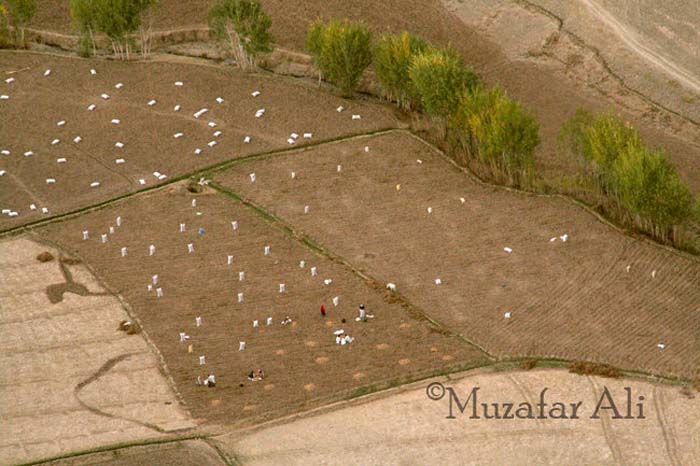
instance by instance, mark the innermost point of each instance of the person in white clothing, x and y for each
(363, 314)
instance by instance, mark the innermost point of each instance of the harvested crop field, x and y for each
(237, 221)
(303, 365)
(573, 299)
(43, 166)
(69, 380)
(563, 57)
(407, 428)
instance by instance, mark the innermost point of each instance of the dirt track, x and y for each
(629, 37)
(187, 453)
(573, 299)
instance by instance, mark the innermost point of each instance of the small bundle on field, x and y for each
(194, 187)
(593, 368)
(687, 392)
(45, 257)
(70, 260)
(129, 327)
(528, 364)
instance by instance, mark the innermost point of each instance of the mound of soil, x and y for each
(129, 327)
(45, 257)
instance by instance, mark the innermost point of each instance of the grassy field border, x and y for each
(118, 446)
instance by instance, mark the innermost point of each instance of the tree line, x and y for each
(483, 128)
(637, 183)
(119, 20)
(241, 25)
(495, 136)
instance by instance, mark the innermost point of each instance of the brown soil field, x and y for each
(553, 78)
(37, 103)
(69, 380)
(573, 299)
(303, 364)
(289, 20)
(407, 428)
(55, 15)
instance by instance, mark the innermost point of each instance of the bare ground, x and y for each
(68, 379)
(303, 364)
(573, 299)
(38, 103)
(407, 428)
(559, 56)
(565, 57)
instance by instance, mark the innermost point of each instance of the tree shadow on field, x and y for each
(56, 291)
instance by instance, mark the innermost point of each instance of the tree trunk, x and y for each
(237, 49)
(92, 39)
(146, 40)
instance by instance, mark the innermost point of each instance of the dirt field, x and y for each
(565, 44)
(303, 364)
(68, 379)
(651, 44)
(55, 15)
(38, 103)
(572, 299)
(581, 61)
(410, 429)
(517, 275)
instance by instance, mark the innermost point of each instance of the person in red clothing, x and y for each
(323, 310)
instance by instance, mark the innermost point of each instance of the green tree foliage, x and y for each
(84, 13)
(19, 13)
(572, 140)
(641, 182)
(5, 40)
(117, 19)
(244, 26)
(392, 59)
(599, 140)
(497, 132)
(650, 189)
(440, 78)
(341, 52)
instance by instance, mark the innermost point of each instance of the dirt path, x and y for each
(632, 41)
